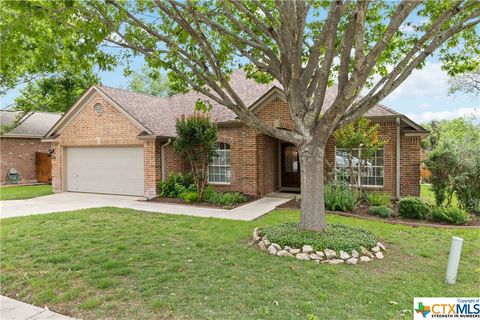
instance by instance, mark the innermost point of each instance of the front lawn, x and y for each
(110, 263)
(24, 192)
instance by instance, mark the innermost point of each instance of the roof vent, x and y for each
(98, 108)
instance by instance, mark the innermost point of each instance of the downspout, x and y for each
(397, 171)
(163, 157)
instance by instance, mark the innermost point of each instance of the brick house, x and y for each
(21, 147)
(120, 142)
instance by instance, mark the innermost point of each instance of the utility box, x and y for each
(13, 176)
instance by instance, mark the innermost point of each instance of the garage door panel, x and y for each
(112, 170)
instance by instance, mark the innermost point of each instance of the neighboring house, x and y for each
(21, 147)
(120, 142)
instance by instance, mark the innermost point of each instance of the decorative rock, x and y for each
(355, 253)
(351, 261)
(334, 261)
(256, 237)
(266, 242)
(307, 249)
(284, 253)
(365, 259)
(379, 255)
(381, 246)
(330, 253)
(365, 252)
(287, 248)
(315, 256)
(344, 255)
(302, 256)
(375, 249)
(294, 251)
(272, 250)
(320, 254)
(277, 246)
(261, 244)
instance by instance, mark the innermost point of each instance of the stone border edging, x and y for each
(326, 256)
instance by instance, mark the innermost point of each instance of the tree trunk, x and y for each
(312, 187)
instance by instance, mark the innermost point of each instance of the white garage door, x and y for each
(113, 170)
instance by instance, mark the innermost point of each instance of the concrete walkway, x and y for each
(68, 201)
(11, 309)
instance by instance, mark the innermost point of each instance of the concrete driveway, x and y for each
(68, 201)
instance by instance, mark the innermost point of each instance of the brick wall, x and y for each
(110, 128)
(19, 153)
(410, 166)
(254, 157)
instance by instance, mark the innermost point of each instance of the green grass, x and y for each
(427, 195)
(24, 192)
(110, 263)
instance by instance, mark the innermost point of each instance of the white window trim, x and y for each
(368, 186)
(219, 183)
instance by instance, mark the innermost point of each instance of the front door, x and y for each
(290, 166)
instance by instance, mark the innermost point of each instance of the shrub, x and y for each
(450, 215)
(340, 197)
(227, 199)
(190, 196)
(335, 236)
(175, 185)
(413, 207)
(378, 199)
(208, 193)
(382, 211)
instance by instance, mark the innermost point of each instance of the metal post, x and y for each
(454, 260)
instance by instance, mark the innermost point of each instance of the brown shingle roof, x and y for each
(159, 114)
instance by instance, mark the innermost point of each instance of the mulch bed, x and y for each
(200, 203)
(362, 212)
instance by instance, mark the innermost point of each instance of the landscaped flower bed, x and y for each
(181, 189)
(374, 205)
(336, 244)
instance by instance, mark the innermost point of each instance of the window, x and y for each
(365, 172)
(219, 168)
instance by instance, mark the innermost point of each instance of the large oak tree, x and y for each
(305, 45)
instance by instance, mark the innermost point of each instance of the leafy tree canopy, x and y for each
(56, 93)
(150, 82)
(454, 130)
(468, 83)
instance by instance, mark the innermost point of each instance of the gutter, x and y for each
(163, 157)
(397, 162)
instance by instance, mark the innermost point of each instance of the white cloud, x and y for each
(444, 115)
(431, 81)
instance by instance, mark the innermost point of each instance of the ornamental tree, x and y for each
(305, 45)
(197, 142)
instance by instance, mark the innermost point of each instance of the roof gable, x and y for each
(81, 103)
